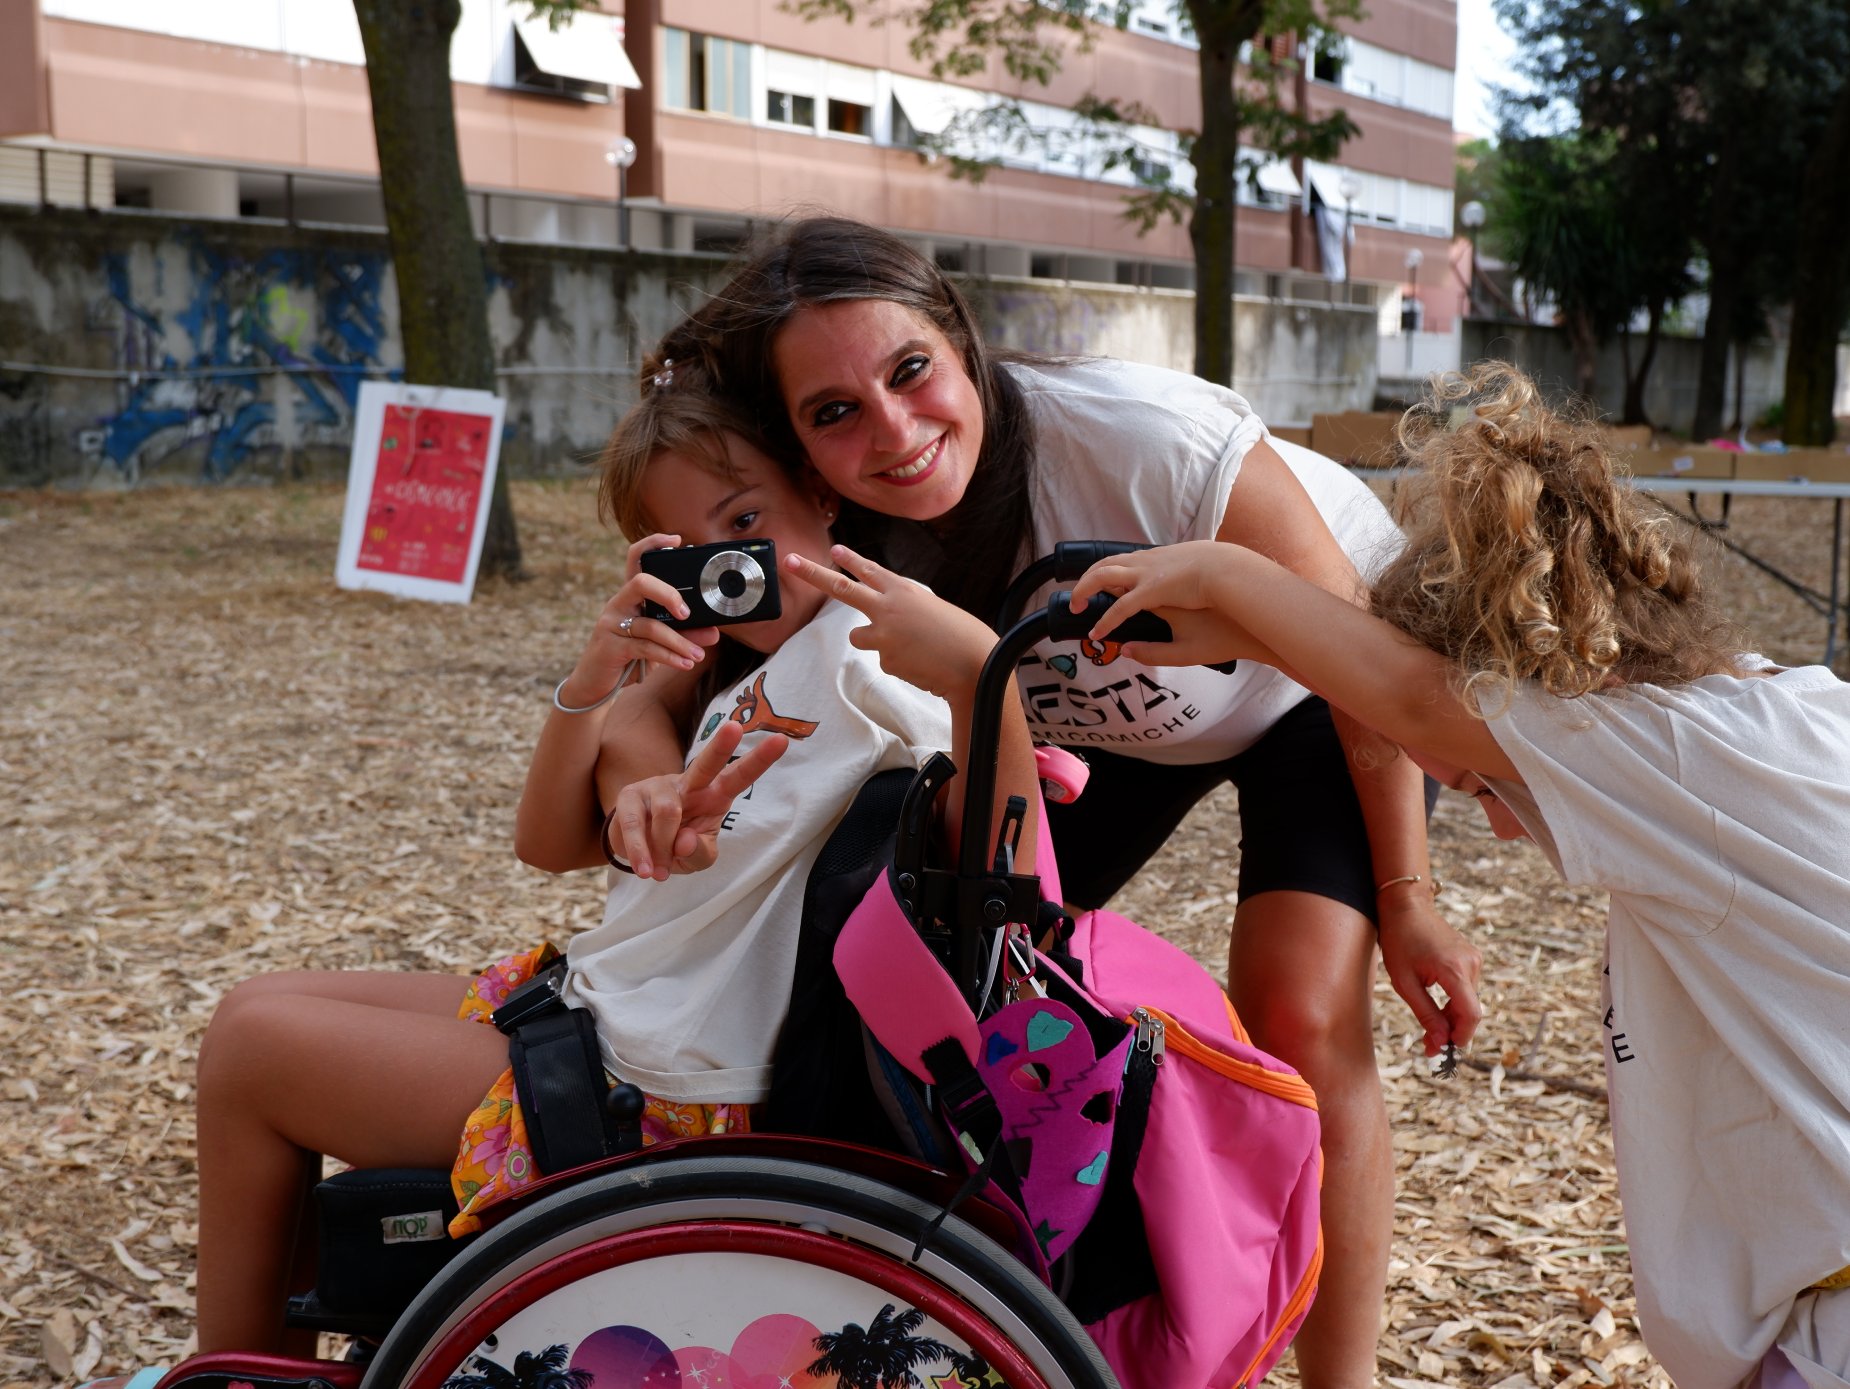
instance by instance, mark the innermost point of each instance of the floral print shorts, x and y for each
(494, 1160)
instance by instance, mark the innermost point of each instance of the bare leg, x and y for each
(1300, 969)
(373, 1069)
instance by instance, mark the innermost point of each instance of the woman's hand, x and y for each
(670, 824)
(919, 637)
(1419, 950)
(612, 645)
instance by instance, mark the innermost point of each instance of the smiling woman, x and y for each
(957, 464)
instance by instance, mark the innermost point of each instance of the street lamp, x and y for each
(1472, 215)
(620, 154)
(1410, 316)
(1350, 187)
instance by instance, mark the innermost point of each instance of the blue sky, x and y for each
(1484, 53)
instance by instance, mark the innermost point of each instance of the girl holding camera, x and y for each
(687, 976)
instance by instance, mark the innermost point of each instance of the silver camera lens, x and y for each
(731, 583)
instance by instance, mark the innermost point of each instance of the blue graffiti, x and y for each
(313, 315)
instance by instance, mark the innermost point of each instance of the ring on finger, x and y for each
(625, 625)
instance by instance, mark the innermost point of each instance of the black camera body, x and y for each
(731, 581)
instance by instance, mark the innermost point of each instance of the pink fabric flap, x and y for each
(895, 981)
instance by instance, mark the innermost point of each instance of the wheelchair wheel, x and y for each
(739, 1272)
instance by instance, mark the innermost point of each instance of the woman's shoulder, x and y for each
(1081, 384)
(1104, 410)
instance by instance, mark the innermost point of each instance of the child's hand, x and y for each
(920, 637)
(1176, 583)
(613, 645)
(1170, 576)
(670, 824)
(1418, 950)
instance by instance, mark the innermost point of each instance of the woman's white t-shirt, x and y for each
(690, 979)
(1717, 814)
(1139, 453)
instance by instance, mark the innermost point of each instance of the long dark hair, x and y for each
(967, 555)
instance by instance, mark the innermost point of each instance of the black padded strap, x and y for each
(559, 1077)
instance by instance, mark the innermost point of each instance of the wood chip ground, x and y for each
(216, 763)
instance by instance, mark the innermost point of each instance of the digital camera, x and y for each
(732, 581)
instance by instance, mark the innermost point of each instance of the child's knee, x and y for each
(235, 1023)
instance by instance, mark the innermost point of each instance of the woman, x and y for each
(955, 465)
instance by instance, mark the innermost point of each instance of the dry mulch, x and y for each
(219, 764)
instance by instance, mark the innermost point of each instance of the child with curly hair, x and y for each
(1545, 644)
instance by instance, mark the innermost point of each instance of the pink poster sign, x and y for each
(427, 487)
(418, 490)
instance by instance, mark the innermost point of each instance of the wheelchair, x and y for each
(823, 1255)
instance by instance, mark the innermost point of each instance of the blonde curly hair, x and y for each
(1527, 560)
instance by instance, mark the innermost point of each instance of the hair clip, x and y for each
(664, 378)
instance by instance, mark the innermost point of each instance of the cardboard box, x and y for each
(1627, 436)
(1682, 460)
(1813, 465)
(1291, 433)
(1360, 439)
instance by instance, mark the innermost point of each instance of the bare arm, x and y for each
(938, 647)
(583, 761)
(1224, 601)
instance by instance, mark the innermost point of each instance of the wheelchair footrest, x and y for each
(383, 1235)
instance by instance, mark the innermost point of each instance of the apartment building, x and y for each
(737, 111)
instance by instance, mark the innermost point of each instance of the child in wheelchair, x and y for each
(688, 974)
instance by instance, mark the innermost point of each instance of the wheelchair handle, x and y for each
(1070, 559)
(1063, 624)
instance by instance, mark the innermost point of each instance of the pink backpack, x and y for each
(1167, 1168)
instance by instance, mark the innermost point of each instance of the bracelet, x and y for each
(629, 674)
(1437, 886)
(603, 842)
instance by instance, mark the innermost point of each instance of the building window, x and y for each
(851, 118)
(707, 74)
(1149, 171)
(1327, 64)
(787, 108)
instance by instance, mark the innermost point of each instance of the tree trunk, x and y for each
(1821, 284)
(1211, 224)
(1725, 266)
(1634, 411)
(1585, 342)
(442, 287)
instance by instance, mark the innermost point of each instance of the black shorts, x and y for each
(1301, 827)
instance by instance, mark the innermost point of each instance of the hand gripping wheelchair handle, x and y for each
(1070, 559)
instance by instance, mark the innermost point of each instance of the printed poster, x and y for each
(418, 489)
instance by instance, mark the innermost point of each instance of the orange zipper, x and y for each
(1286, 1086)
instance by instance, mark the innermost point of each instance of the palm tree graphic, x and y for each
(883, 1356)
(547, 1370)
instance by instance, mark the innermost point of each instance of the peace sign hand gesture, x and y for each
(670, 824)
(918, 636)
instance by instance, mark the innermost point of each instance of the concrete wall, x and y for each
(146, 348)
(1670, 391)
(1291, 360)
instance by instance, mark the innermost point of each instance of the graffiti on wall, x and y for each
(236, 355)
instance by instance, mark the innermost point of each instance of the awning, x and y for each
(585, 48)
(1276, 177)
(1327, 183)
(924, 105)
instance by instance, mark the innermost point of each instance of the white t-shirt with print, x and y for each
(1140, 453)
(690, 979)
(1717, 814)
